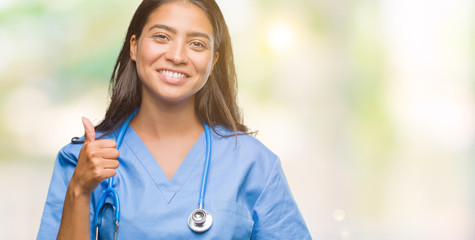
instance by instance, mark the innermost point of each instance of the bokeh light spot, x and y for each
(339, 215)
(280, 36)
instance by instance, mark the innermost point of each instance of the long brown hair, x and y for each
(215, 103)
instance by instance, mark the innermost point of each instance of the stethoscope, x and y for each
(198, 221)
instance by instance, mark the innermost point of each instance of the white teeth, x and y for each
(172, 74)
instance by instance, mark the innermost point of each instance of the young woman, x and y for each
(173, 178)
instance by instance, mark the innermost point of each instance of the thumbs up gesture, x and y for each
(97, 161)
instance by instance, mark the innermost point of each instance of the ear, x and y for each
(215, 60)
(133, 47)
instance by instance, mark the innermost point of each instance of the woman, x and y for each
(174, 77)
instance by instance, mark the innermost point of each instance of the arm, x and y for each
(96, 162)
(75, 218)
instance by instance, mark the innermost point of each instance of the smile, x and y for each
(172, 74)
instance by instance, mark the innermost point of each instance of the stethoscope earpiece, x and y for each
(200, 220)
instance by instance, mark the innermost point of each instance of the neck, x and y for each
(161, 120)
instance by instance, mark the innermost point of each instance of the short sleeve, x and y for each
(63, 170)
(275, 214)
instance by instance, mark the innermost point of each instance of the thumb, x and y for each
(89, 132)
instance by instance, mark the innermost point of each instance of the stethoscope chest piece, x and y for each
(200, 220)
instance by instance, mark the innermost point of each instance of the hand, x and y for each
(97, 161)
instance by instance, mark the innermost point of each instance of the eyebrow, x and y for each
(170, 29)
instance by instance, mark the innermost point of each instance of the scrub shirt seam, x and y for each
(267, 181)
(145, 168)
(284, 197)
(62, 156)
(192, 170)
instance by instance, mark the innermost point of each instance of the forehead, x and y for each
(181, 16)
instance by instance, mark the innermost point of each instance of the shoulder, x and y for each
(244, 150)
(70, 151)
(241, 141)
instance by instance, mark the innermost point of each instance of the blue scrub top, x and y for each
(246, 193)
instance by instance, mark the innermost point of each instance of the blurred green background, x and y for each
(368, 103)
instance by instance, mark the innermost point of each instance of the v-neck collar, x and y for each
(168, 188)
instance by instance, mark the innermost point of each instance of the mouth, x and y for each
(172, 74)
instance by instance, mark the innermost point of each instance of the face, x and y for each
(174, 55)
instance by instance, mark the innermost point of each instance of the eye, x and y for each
(160, 36)
(198, 45)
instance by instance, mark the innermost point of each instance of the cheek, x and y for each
(149, 52)
(203, 64)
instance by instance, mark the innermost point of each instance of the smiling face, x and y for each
(174, 55)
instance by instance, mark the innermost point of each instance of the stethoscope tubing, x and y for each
(120, 137)
(110, 191)
(206, 167)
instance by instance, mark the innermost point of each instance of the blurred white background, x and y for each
(368, 103)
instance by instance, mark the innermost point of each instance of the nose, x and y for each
(176, 53)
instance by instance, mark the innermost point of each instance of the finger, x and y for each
(105, 143)
(109, 172)
(110, 164)
(107, 153)
(89, 132)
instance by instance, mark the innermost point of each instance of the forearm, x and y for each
(75, 220)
